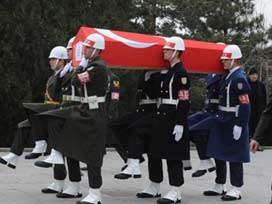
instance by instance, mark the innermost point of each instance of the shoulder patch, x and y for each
(240, 86)
(116, 83)
(184, 80)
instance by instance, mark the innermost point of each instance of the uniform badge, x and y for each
(183, 80)
(116, 84)
(115, 96)
(240, 86)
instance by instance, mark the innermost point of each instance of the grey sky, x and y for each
(265, 7)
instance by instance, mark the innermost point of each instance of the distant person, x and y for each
(257, 99)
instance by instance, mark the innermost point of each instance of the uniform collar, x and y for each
(232, 71)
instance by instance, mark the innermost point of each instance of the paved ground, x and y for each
(22, 186)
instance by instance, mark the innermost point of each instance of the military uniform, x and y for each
(199, 136)
(211, 107)
(125, 128)
(83, 125)
(34, 128)
(234, 109)
(173, 110)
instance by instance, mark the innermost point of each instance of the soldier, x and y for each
(34, 125)
(170, 139)
(133, 128)
(40, 138)
(229, 134)
(79, 131)
(200, 137)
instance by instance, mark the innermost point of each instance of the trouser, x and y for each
(59, 172)
(136, 146)
(94, 173)
(175, 171)
(236, 173)
(200, 139)
(39, 129)
(21, 139)
(54, 128)
(139, 137)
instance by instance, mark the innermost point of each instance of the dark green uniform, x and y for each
(83, 134)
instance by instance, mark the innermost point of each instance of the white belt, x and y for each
(83, 99)
(169, 101)
(89, 99)
(230, 109)
(212, 100)
(147, 101)
(71, 98)
(92, 101)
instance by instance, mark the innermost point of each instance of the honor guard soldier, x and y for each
(200, 137)
(170, 138)
(79, 131)
(229, 134)
(133, 129)
(34, 126)
(57, 186)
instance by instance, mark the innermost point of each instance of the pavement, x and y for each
(23, 185)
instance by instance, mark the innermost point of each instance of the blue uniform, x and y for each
(234, 109)
(211, 102)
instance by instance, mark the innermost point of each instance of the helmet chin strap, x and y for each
(173, 55)
(93, 53)
(231, 64)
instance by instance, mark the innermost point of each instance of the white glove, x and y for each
(83, 62)
(237, 131)
(68, 67)
(178, 132)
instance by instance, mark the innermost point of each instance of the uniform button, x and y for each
(164, 113)
(161, 91)
(142, 110)
(158, 113)
(137, 110)
(217, 115)
(62, 89)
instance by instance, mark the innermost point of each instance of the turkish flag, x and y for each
(140, 51)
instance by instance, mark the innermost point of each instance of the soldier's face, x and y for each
(56, 64)
(53, 62)
(88, 52)
(167, 54)
(227, 64)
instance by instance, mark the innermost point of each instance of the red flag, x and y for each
(140, 51)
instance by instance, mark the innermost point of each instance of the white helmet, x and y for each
(96, 41)
(174, 43)
(58, 52)
(231, 52)
(70, 43)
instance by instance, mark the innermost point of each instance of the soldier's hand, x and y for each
(237, 131)
(178, 132)
(84, 62)
(254, 146)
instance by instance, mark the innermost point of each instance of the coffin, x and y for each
(140, 51)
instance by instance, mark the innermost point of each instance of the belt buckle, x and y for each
(81, 99)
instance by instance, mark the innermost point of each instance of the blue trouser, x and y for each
(236, 173)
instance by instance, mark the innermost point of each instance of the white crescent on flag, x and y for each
(130, 43)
